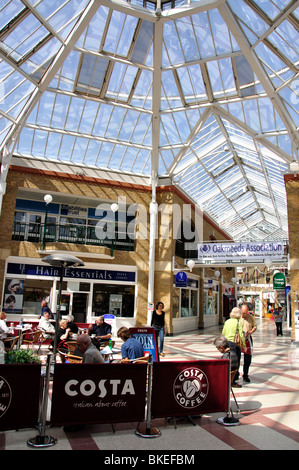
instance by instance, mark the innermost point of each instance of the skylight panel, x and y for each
(245, 76)
(121, 81)
(221, 34)
(203, 34)
(221, 77)
(286, 39)
(192, 83)
(187, 39)
(248, 16)
(73, 114)
(58, 14)
(120, 33)
(45, 109)
(143, 42)
(92, 73)
(251, 112)
(140, 127)
(268, 7)
(172, 45)
(79, 150)
(92, 37)
(142, 93)
(61, 112)
(88, 117)
(170, 90)
(24, 37)
(271, 60)
(39, 143)
(53, 146)
(9, 10)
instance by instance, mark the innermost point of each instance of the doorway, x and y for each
(79, 306)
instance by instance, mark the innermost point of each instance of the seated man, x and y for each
(222, 345)
(101, 329)
(46, 326)
(131, 348)
(90, 353)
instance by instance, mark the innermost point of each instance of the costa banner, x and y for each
(98, 393)
(189, 388)
(19, 395)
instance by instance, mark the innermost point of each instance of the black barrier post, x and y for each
(41, 440)
(229, 420)
(147, 430)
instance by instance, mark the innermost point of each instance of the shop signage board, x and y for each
(181, 279)
(240, 251)
(279, 281)
(147, 338)
(98, 393)
(189, 387)
(71, 273)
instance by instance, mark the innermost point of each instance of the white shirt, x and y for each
(3, 329)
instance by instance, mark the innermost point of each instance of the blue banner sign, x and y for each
(147, 338)
(181, 279)
(71, 273)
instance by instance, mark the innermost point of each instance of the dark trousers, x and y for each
(247, 360)
(279, 327)
(237, 350)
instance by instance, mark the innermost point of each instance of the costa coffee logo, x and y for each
(5, 396)
(191, 387)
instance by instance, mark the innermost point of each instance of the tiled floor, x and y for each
(269, 406)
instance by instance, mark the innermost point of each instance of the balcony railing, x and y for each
(67, 233)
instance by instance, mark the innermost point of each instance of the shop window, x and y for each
(116, 300)
(24, 296)
(185, 303)
(211, 301)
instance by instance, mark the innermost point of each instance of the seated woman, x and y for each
(5, 330)
(62, 335)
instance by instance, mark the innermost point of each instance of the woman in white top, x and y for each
(3, 327)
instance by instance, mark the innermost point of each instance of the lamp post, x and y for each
(48, 199)
(114, 208)
(63, 261)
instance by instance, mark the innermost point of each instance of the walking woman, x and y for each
(230, 329)
(158, 323)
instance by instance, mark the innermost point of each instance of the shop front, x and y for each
(87, 292)
(185, 304)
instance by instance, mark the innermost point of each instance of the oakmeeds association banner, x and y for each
(242, 250)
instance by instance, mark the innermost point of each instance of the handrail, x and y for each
(70, 233)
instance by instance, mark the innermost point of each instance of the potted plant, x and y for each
(22, 356)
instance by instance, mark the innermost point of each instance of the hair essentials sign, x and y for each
(242, 250)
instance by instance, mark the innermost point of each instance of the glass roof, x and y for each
(204, 93)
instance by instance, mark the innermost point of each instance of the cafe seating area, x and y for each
(267, 407)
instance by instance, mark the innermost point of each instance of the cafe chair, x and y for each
(71, 346)
(62, 356)
(36, 339)
(232, 376)
(66, 357)
(11, 342)
(73, 359)
(141, 360)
